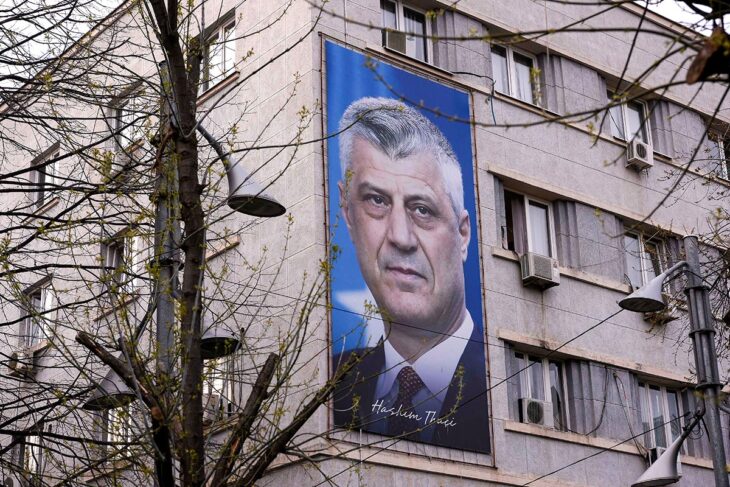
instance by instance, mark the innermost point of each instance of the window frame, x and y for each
(118, 428)
(623, 107)
(526, 200)
(646, 414)
(723, 161)
(33, 461)
(524, 361)
(128, 120)
(400, 8)
(207, 81)
(217, 381)
(125, 246)
(512, 76)
(43, 177)
(642, 241)
(34, 328)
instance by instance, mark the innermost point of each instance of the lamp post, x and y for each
(649, 298)
(244, 197)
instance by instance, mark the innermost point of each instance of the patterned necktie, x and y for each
(408, 385)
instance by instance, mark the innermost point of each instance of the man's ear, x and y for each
(464, 234)
(343, 203)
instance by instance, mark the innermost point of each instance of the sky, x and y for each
(679, 12)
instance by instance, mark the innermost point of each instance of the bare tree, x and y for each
(115, 145)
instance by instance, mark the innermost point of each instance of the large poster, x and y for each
(406, 280)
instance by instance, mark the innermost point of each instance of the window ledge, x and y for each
(534, 107)
(38, 347)
(218, 87)
(595, 442)
(222, 247)
(42, 209)
(568, 272)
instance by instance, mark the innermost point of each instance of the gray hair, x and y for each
(399, 131)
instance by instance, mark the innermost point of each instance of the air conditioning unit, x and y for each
(639, 155)
(656, 452)
(21, 363)
(539, 271)
(533, 411)
(213, 408)
(396, 41)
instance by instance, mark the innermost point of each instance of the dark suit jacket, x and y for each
(354, 397)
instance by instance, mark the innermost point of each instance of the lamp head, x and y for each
(111, 393)
(648, 299)
(218, 342)
(247, 197)
(664, 470)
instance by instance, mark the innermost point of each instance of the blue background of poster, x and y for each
(350, 76)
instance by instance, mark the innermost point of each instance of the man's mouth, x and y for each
(405, 272)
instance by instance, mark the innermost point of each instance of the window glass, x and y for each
(633, 260)
(635, 116)
(523, 80)
(221, 51)
(653, 261)
(675, 425)
(539, 229)
(718, 156)
(645, 413)
(229, 49)
(415, 22)
(32, 454)
(556, 395)
(38, 178)
(537, 385)
(657, 416)
(389, 18)
(616, 119)
(499, 69)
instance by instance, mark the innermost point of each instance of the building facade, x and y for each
(583, 166)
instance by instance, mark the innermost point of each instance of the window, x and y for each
(529, 225)
(42, 178)
(399, 17)
(217, 395)
(118, 427)
(32, 455)
(128, 116)
(220, 55)
(661, 419)
(646, 258)
(542, 379)
(628, 120)
(719, 155)
(37, 302)
(514, 73)
(122, 263)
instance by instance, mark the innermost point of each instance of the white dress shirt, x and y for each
(435, 368)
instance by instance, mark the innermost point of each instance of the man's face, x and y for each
(409, 242)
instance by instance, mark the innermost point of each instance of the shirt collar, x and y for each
(435, 368)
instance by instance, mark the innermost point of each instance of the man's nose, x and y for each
(400, 230)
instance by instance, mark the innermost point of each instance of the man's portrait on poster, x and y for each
(401, 197)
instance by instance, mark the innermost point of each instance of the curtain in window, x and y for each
(499, 69)
(523, 74)
(415, 23)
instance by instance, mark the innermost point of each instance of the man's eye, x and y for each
(423, 210)
(376, 200)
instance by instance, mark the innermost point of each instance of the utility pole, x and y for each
(167, 239)
(703, 340)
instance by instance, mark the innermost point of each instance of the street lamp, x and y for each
(244, 196)
(649, 299)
